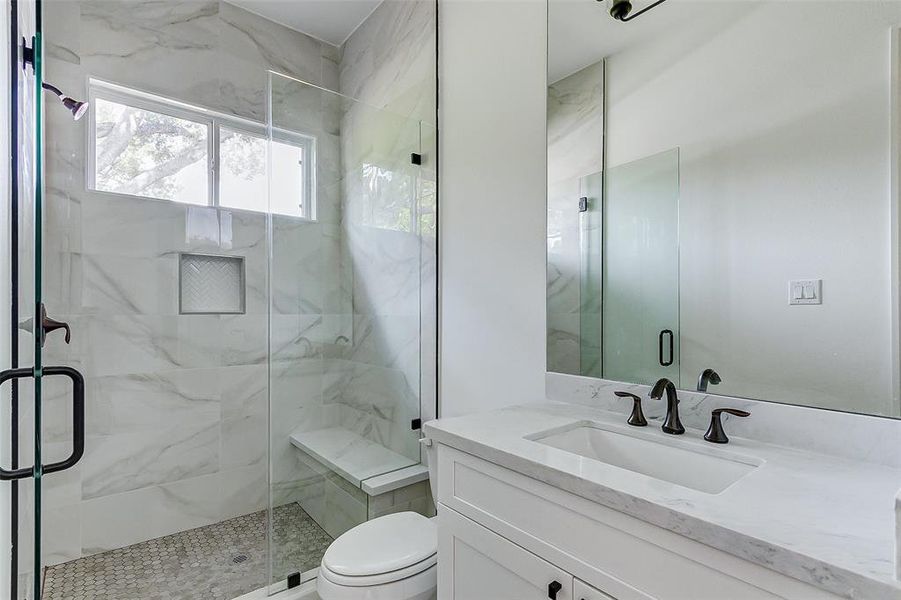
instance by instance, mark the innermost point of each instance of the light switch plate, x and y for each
(805, 291)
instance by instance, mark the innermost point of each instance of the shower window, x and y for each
(243, 168)
(145, 153)
(147, 146)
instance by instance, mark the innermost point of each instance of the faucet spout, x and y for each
(671, 424)
(708, 376)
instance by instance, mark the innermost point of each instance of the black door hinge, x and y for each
(416, 158)
(416, 424)
(583, 204)
(27, 54)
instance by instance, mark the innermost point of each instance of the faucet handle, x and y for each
(637, 417)
(715, 433)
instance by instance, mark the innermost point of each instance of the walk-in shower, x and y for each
(238, 233)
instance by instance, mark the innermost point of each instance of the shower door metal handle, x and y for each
(667, 362)
(77, 419)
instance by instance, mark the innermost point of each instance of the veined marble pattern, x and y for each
(390, 59)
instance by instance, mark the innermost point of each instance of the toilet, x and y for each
(394, 557)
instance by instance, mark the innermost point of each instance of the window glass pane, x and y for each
(287, 194)
(144, 153)
(242, 172)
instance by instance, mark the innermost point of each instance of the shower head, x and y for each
(621, 9)
(76, 107)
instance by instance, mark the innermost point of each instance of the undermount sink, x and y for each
(705, 472)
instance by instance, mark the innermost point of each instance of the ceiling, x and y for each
(331, 21)
(581, 32)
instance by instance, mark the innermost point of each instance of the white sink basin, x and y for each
(710, 472)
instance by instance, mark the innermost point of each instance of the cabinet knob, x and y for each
(552, 589)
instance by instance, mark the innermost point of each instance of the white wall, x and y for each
(492, 107)
(784, 175)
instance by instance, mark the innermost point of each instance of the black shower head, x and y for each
(76, 107)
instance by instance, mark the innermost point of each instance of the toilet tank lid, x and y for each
(383, 545)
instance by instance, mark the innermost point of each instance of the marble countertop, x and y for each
(825, 520)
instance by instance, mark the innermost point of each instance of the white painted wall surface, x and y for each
(782, 114)
(492, 106)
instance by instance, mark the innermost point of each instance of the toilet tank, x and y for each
(431, 457)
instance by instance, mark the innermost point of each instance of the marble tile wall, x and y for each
(575, 152)
(387, 377)
(177, 413)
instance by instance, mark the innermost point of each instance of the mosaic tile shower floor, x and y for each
(216, 562)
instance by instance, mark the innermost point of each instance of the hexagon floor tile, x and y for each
(216, 562)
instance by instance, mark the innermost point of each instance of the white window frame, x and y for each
(213, 121)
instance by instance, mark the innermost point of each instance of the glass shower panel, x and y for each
(641, 270)
(344, 319)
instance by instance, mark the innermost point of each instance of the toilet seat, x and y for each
(386, 549)
(379, 578)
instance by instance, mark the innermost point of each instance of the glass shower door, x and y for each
(344, 325)
(45, 396)
(641, 270)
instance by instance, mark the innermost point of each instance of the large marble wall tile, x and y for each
(243, 340)
(297, 266)
(387, 341)
(390, 59)
(127, 226)
(243, 491)
(152, 402)
(346, 506)
(245, 403)
(129, 461)
(64, 540)
(123, 285)
(249, 42)
(119, 520)
(386, 271)
(296, 337)
(127, 41)
(118, 345)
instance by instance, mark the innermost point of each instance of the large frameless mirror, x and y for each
(723, 197)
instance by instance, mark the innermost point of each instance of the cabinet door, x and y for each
(475, 563)
(583, 591)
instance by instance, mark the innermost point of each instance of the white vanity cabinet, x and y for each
(506, 536)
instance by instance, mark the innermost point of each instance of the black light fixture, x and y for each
(621, 9)
(76, 107)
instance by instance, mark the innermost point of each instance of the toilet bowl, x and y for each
(389, 558)
(394, 557)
